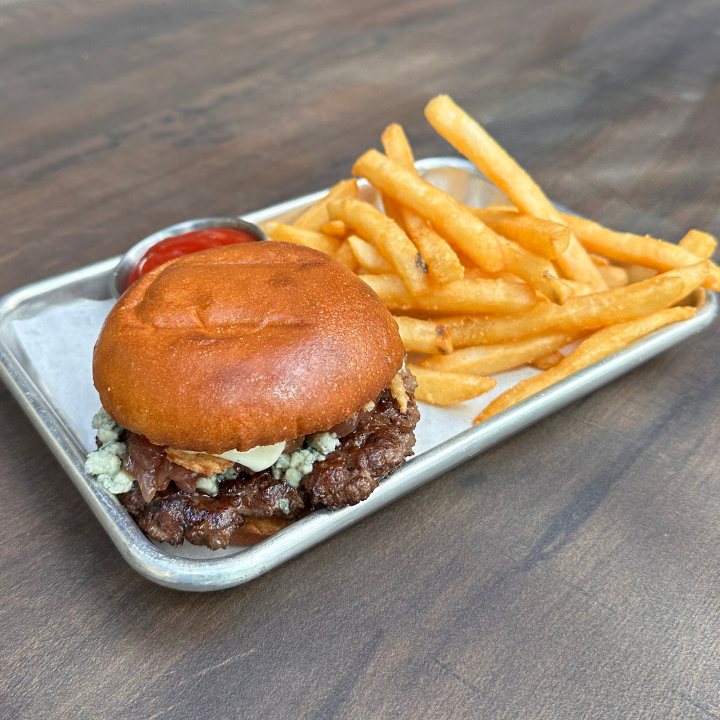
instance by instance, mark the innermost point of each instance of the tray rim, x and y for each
(196, 574)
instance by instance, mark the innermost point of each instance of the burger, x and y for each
(243, 387)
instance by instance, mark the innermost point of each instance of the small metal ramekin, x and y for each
(133, 256)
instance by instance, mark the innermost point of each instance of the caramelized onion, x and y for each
(149, 465)
(293, 445)
(185, 479)
(142, 460)
(346, 427)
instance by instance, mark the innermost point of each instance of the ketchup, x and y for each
(175, 247)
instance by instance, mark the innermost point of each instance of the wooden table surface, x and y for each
(570, 572)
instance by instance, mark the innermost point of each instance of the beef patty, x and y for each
(380, 443)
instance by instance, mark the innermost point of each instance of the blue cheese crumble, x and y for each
(108, 430)
(211, 485)
(293, 467)
(106, 462)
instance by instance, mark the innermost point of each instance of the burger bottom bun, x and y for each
(256, 529)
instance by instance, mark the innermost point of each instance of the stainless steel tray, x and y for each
(186, 573)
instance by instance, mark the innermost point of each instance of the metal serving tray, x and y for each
(155, 561)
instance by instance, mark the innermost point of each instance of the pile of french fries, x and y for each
(478, 291)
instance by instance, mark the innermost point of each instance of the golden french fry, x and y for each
(424, 336)
(492, 359)
(444, 266)
(533, 268)
(397, 388)
(636, 249)
(389, 239)
(636, 273)
(545, 238)
(599, 260)
(579, 288)
(613, 275)
(346, 256)
(394, 210)
(443, 388)
(368, 256)
(452, 220)
(309, 238)
(316, 215)
(335, 228)
(467, 136)
(593, 349)
(397, 147)
(700, 244)
(581, 312)
(461, 296)
(550, 360)
(475, 273)
(576, 265)
(443, 263)
(392, 207)
(537, 272)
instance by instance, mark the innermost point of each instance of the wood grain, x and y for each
(572, 571)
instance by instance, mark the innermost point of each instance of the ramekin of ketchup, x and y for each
(178, 240)
(192, 242)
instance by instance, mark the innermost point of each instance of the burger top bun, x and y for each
(244, 345)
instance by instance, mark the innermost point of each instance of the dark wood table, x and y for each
(570, 572)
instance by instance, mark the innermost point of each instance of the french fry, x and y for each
(548, 361)
(392, 207)
(700, 244)
(389, 239)
(397, 147)
(309, 238)
(316, 215)
(593, 349)
(537, 272)
(613, 275)
(492, 359)
(442, 388)
(599, 260)
(394, 210)
(345, 256)
(637, 273)
(579, 288)
(461, 296)
(443, 263)
(467, 136)
(335, 228)
(475, 273)
(581, 312)
(457, 224)
(423, 336)
(397, 388)
(636, 249)
(368, 256)
(545, 238)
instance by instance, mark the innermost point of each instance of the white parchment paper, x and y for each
(59, 343)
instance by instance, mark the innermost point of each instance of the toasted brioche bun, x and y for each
(244, 345)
